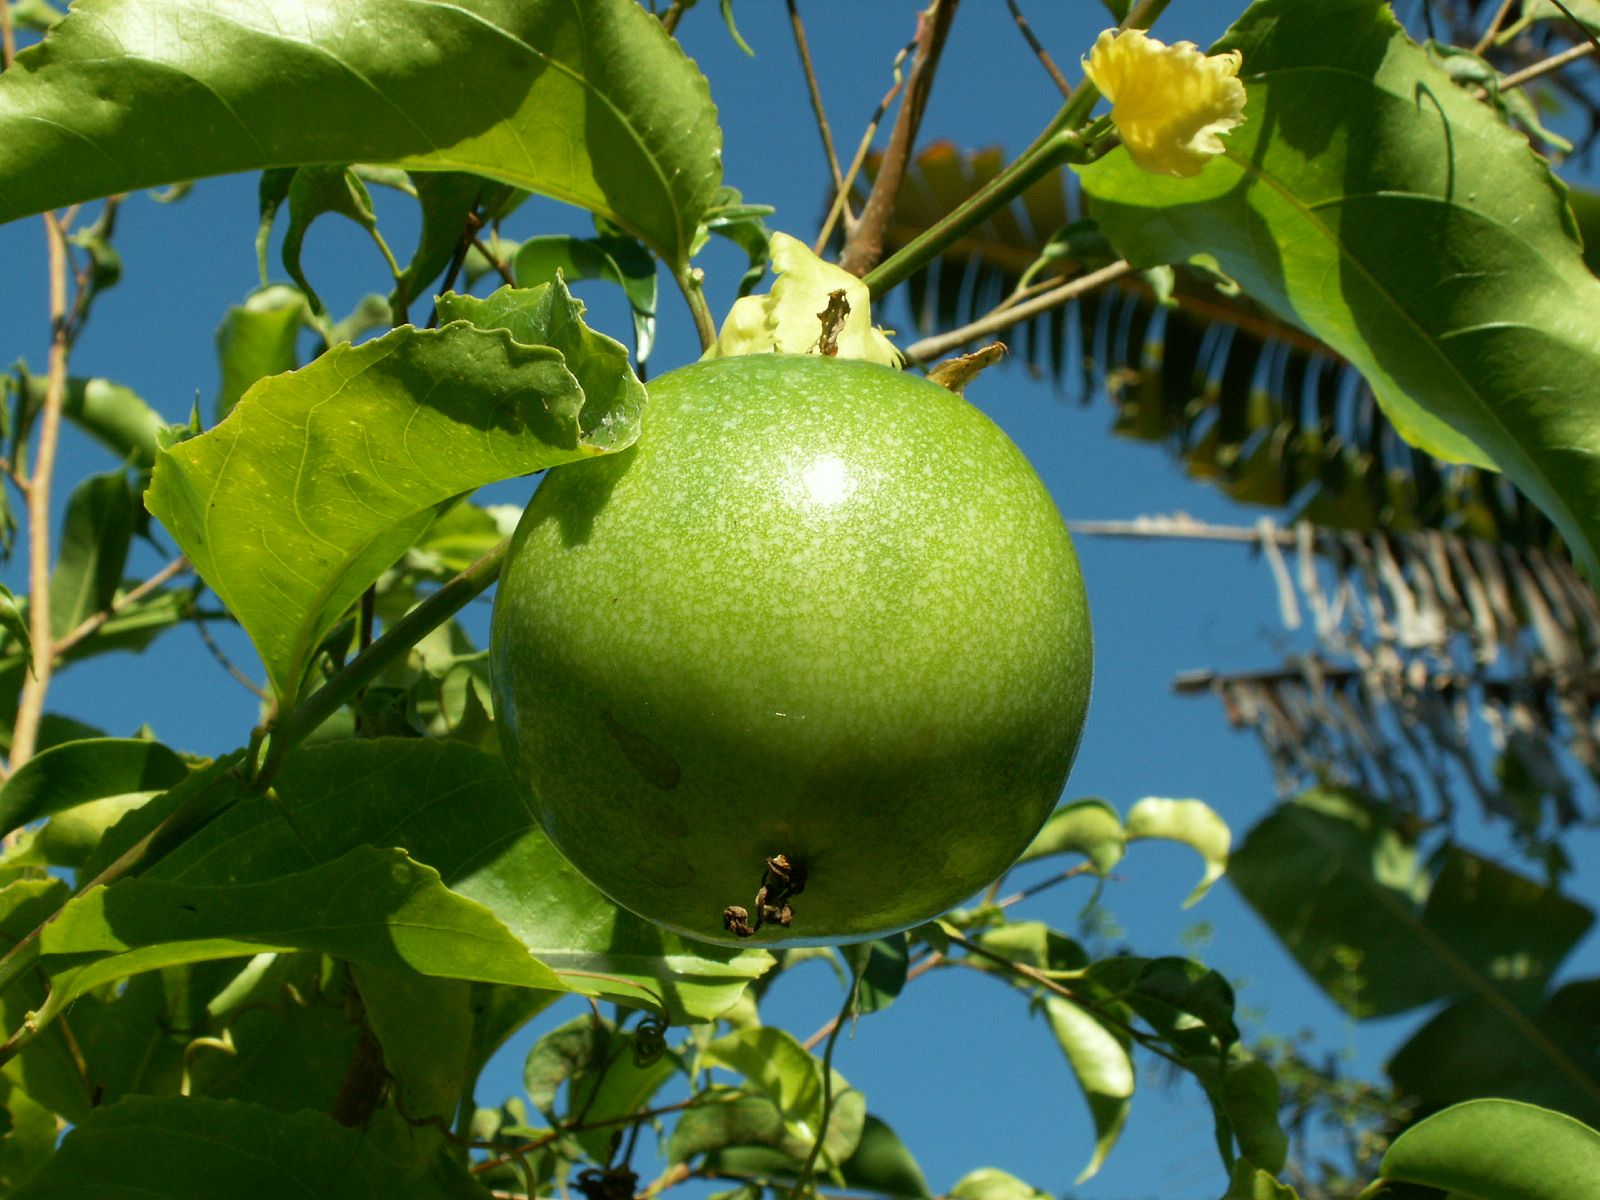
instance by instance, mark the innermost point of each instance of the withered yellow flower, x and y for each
(790, 318)
(1171, 104)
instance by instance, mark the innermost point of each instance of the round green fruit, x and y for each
(819, 634)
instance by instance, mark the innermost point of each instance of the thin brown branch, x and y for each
(1179, 526)
(224, 661)
(1554, 63)
(934, 959)
(1040, 51)
(865, 247)
(803, 48)
(1493, 31)
(1005, 318)
(674, 14)
(8, 37)
(91, 625)
(841, 198)
(30, 706)
(494, 261)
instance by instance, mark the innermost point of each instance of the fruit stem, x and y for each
(691, 284)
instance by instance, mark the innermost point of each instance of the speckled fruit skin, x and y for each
(822, 609)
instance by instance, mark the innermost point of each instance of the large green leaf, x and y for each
(257, 339)
(195, 1149)
(367, 906)
(83, 772)
(1472, 1050)
(880, 1166)
(318, 480)
(1497, 1150)
(591, 103)
(458, 810)
(1345, 894)
(1358, 160)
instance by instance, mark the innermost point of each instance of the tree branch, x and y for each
(1043, 55)
(1005, 317)
(30, 707)
(804, 49)
(1554, 63)
(865, 246)
(91, 625)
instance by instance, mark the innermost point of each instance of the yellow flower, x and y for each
(1171, 104)
(789, 319)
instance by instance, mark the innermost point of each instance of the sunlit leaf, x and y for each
(590, 103)
(1091, 828)
(318, 480)
(368, 905)
(1099, 1058)
(1350, 166)
(1191, 822)
(1498, 1150)
(257, 339)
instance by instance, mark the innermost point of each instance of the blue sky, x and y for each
(957, 1066)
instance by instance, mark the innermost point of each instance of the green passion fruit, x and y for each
(807, 664)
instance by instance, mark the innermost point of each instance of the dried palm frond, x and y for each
(1443, 665)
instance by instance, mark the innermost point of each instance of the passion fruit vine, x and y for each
(808, 663)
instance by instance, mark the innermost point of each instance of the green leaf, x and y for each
(1344, 893)
(1250, 1182)
(197, 1149)
(30, 1136)
(618, 259)
(318, 480)
(589, 103)
(458, 810)
(368, 906)
(447, 199)
(311, 192)
(1247, 1094)
(115, 416)
(1188, 821)
(1497, 1150)
(84, 772)
(776, 1066)
(95, 536)
(1090, 827)
(727, 1119)
(14, 622)
(1483, 1046)
(881, 967)
(623, 1088)
(1099, 1058)
(990, 1183)
(880, 1166)
(257, 339)
(1358, 160)
(424, 1025)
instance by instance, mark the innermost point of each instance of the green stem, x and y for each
(1062, 141)
(690, 284)
(806, 1181)
(389, 649)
